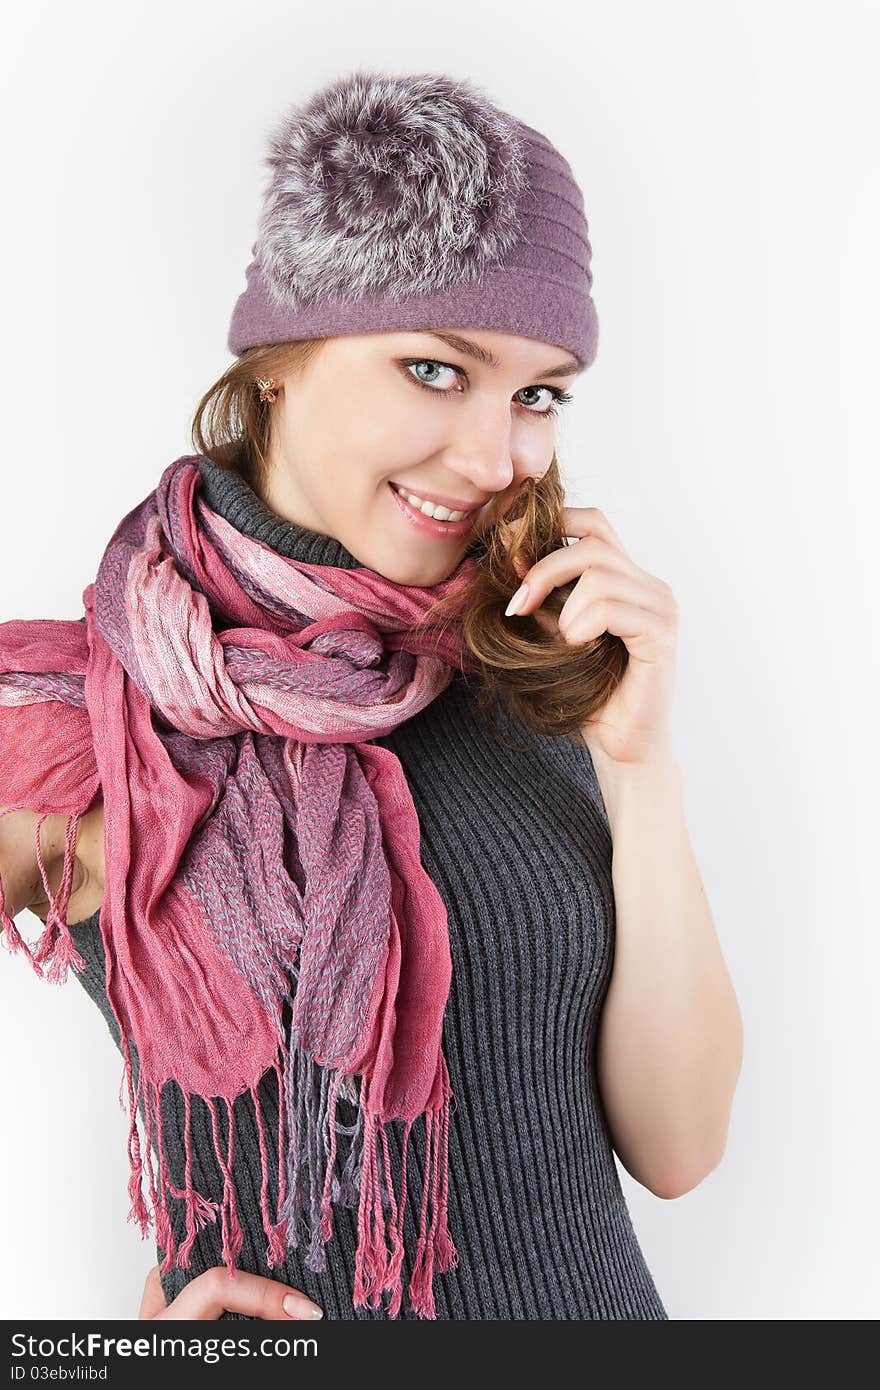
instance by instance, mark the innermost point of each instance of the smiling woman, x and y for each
(357, 913)
(531, 933)
(350, 422)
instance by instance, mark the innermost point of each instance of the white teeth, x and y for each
(429, 508)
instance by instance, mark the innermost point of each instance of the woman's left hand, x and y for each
(613, 595)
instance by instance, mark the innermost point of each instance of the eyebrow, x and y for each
(488, 359)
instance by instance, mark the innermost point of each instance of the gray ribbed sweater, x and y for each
(518, 843)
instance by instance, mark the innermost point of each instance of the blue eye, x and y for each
(557, 397)
(427, 362)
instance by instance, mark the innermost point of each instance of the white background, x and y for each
(728, 160)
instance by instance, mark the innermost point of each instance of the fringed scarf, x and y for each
(260, 851)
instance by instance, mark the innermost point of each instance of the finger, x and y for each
(214, 1292)
(580, 522)
(590, 521)
(567, 563)
(153, 1300)
(599, 583)
(646, 634)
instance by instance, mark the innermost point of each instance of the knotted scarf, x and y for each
(260, 852)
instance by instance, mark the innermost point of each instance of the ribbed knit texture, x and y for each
(518, 843)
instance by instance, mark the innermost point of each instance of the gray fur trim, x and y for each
(389, 184)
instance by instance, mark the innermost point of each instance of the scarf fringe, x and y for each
(55, 943)
(366, 1182)
(307, 1183)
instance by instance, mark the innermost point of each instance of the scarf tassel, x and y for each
(55, 941)
(233, 1237)
(367, 1184)
(276, 1249)
(307, 1184)
(377, 1269)
(200, 1210)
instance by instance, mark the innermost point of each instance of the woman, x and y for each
(327, 821)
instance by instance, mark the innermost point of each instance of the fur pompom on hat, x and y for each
(391, 186)
(412, 202)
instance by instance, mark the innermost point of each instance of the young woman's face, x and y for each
(415, 409)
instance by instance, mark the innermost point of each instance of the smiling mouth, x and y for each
(435, 511)
(426, 525)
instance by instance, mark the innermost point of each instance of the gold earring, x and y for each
(265, 384)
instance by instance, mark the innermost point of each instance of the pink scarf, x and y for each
(217, 696)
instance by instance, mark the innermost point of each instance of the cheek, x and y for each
(397, 439)
(411, 428)
(387, 428)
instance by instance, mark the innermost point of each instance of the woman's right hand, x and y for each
(213, 1293)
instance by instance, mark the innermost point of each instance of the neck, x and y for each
(227, 492)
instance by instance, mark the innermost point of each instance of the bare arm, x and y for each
(671, 1037)
(19, 871)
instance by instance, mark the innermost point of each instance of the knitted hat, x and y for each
(413, 202)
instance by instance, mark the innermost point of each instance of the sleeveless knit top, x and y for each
(518, 843)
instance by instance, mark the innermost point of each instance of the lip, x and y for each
(443, 530)
(454, 504)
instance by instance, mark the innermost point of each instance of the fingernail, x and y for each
(297, 1307)
(517, 601)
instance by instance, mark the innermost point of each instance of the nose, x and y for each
(485, 456)
(495, 476)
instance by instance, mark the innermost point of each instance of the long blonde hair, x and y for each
(553, 687)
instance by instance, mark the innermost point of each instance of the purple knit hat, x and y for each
(413, 202)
